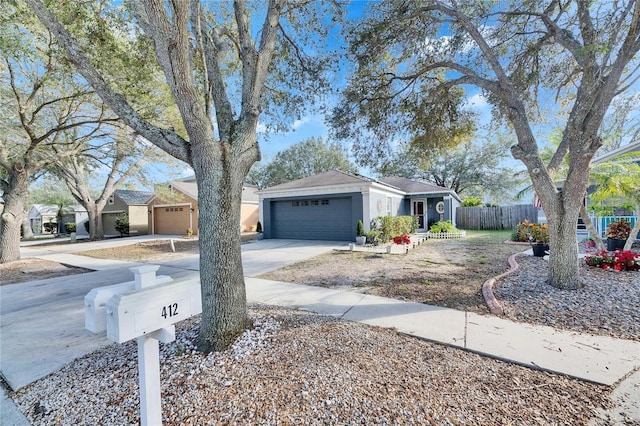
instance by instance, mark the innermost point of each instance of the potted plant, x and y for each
(539, 239)
(589, 243)
(361, 237)
(617, 234)
(259, 235)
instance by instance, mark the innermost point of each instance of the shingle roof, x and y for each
(52, 209)
(332, 177)
(132, 198)
(190, 188)
(412, 186)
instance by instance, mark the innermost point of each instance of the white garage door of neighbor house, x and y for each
(171, 220)
(313, 219)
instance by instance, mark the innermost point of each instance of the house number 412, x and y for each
(169, 311)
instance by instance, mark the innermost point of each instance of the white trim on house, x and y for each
(329, 189)
(631, 147)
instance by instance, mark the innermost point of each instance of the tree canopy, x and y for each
(528, 58)
(306, 158)
(471, 169)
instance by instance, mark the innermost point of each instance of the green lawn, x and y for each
(490, 237)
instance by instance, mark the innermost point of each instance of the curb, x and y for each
(487, 288)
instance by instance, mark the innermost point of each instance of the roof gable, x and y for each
(189, 188)
(132, 198)
(332, 177)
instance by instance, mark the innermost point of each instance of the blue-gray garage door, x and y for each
(313, 219)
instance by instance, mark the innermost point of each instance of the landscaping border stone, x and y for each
(487, 288)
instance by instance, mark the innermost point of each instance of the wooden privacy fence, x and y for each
(503, 217)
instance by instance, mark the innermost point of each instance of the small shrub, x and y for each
(471, 202)
(70, 227)
(402, 239)
(619, 260)
(360, 229)
(390, 226)
(373, 237)
(444, 226)
(259, 228)
(86, 225)
(122, 225)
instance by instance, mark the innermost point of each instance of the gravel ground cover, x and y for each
(302, 368)
(608, 304)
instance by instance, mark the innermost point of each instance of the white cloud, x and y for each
(477, 101)
(299, 123)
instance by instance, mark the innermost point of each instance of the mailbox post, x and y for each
(149, 357)
(147, 313)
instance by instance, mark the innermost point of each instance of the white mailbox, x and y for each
(145, 309)
(141, 312)
(96, 300)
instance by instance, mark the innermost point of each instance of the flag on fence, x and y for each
(536, 201)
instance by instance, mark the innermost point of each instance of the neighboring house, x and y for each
(43, 218)
(176, 211)
(127, 203)
(328, 206)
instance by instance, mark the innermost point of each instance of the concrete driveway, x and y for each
(42, 322)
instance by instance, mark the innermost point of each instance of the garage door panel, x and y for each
(313, 219)
(171, 220)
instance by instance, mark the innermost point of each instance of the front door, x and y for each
(418, 211)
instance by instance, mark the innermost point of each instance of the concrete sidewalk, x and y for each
(597, 359)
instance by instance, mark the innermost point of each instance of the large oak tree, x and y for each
(530, 59)
(41, 105)
(223, 70)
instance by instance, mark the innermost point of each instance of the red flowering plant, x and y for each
(402, 239)
(619, 260)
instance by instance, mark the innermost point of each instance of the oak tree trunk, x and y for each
(96, 230)
(27, 232)
(563, 251)
(224, 312)
(634, 231)
(12, 216)
(592, 229)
